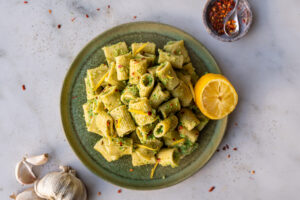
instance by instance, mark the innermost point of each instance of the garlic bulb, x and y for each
(63, 185)
(28, 194)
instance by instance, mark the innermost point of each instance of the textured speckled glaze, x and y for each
(73, 96)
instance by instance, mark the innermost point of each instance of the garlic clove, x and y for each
(24, 173)
(37, 160)
(28, 194)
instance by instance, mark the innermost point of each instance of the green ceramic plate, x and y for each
(73, 96)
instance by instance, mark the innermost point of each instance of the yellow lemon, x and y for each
(215, 96)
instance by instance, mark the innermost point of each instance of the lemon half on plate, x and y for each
(215, 96)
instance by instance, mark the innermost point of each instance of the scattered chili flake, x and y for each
(25, 2)
(107, 123)
(74, 97)
(99, 193)
(253, 172)
(120, 66)
(224, 148)
(108, 6)
(236, 124)
(217, 13)
(132, 73)
(119, 191)
(86, 15)
(98, 9)
(143, 59)
(218, 150)
(73, 19)
(244, 21)
(158, 159)
(180, 127)
(173, 139)
(50, 11)
(228, 156)
(212, 188)
(59, 26)
(134, 17)
(116, 90)
(235, 149)
(131, 170)
(149, 113)
(227, 146)
(23, 87)
(121, 144)
(171, 104)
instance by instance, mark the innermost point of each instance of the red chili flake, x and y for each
(87, 16)
(244, 21)
(173, 139)
(171, 104)
(228, 156)
(121, 144)
(98, 9)
(224, 148)
(23, 87)
(120, 66)
(74, 97)
(132, 73)
(116, 90)
(149, 113)
(107, 123)
(134, 17)
(218, 150)
(119, 191)
(59, 26)
(108, 6)
(73, 19)
(158, 159)
(236, 124)
(253, 172)
(99, 193)
(227, 146)
(25, 2)
(50, 11)
(235, 149)
(143, 59)
(131, 170)
(180, 127)
(212, 188)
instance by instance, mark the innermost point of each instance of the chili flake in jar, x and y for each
(217, 13)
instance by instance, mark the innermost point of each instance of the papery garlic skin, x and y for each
(63, 185)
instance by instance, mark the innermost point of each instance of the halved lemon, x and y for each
(215, 96)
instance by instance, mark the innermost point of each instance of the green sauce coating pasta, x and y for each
(169, 107)
(111, 97)
(175, 60)
(188, 119)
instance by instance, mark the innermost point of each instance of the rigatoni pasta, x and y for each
(142, 106)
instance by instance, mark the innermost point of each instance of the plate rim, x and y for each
(79, 150)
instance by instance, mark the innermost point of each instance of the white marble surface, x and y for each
(264, 67)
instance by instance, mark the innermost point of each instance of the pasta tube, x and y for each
(167, 76)
(175, 60)
(177, 48)
(124, 124)
(168, 156)
(146, 85)
(168, 124)
(111, 97)
(169, 107)
(158, 96)
(136, 69)
(122, 66)
(188, 119)
(131, 92)
(183, 93)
